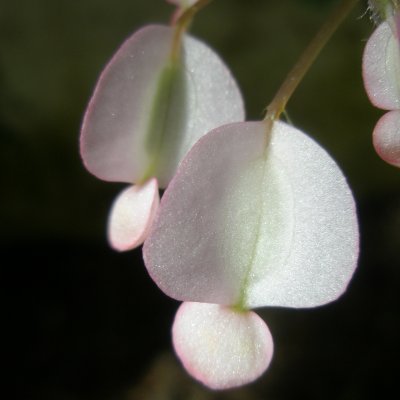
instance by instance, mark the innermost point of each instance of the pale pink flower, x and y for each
(147, 110)
(381, 73)
(249, 221)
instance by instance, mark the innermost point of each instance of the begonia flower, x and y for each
(149, 107)
(381, 73)
(254, 217)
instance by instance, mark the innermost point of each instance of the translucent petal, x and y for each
(220, 347)
(381, 68)
(240, 226)
(386, 137)
(146, 112)
(132, 214)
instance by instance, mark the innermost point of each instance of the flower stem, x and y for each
(182, 24)
(295, 76)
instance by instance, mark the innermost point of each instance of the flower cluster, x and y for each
(254, 214)
(381, 72)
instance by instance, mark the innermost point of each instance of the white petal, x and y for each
(386, 137)
(238, 227)
(220, 347)
(132, 214)
(146, 112)
(381, 68)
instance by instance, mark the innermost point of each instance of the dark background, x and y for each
(84, 322)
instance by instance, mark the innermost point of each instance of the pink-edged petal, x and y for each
(221, 347)
(132, 214)
(115, 123)
(386, 137)
(381, 68)
(147, 111)
(240, 226)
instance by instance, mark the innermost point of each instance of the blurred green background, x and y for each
(84, 322)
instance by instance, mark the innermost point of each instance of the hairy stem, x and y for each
(383, 9)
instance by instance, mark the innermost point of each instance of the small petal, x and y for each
(221, 347)
(381, 68)
(241, 224)
(386, 137)
(132, 214)
(147, 111)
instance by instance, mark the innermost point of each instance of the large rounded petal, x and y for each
(147, 111)
(242, 225)
(132, 214)
(386, 137)
(221, 347)
(381, 68)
